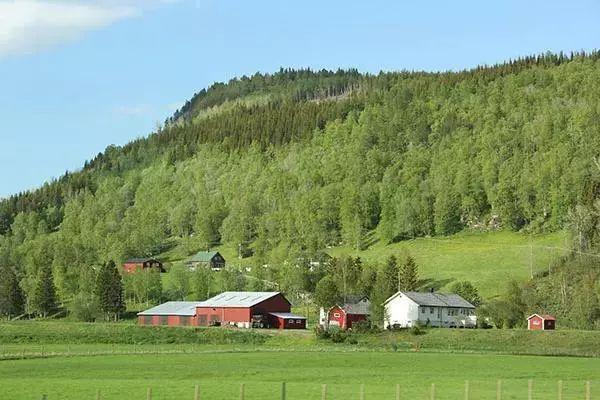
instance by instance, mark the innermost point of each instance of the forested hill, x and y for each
(289, 163)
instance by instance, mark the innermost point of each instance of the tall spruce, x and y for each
(12, 299)
(408, 279)
(109, 291)
(44, 300)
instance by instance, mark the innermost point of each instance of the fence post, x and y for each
(98, 394)
(560, 390)
(149, 394)
(44, 397)
(433, 391)
(397, 391)
(588, 390)
(324, 392)
(197, 392)
(362, 391)
(283, 391)
(530, 389)
(466, 390)
(499, 390)
(242, 391)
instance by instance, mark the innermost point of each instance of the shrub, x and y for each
(417, 330)
(321, 332)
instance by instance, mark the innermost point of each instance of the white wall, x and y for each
(404, 312)
(401, 311)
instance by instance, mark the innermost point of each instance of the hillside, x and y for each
(282, 166)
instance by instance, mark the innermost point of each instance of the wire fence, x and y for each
(528, 392)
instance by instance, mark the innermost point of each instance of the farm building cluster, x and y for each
(239, 309)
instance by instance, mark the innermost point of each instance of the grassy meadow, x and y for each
(173, 376)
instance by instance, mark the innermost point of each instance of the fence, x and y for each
(362, 395)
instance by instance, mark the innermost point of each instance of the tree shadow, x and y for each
(433, 284)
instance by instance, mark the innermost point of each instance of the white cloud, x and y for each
(27, 26)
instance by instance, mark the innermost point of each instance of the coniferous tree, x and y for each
(408, 277)
(12, 298)
(109, 291)
(44, 299)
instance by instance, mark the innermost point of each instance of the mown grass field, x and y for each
(173, 376)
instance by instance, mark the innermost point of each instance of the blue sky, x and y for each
(76, 76)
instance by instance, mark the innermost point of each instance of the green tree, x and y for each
(409, 275)
(44, 299)
(12, 298)
(202, 280)
(179, 282)
(109, 291)
(467, 291)
(327, 293)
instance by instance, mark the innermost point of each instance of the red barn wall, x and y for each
(352, 318)
(131, 267)
(338, 315)
(277, 303)
(535, 323)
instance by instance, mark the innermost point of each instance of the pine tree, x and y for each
(408, 278)
(12, 299)
(390, 276)
(109, 290)
(44, 300)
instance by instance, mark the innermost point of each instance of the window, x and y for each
(298, 321)
(202, 320)
(422, 310)
(336, 315)
(430, 310)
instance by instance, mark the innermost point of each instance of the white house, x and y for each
(405, 309)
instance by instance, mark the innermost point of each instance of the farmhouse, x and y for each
(138, 264)
(241, 309)
(212, 259)
(537, 322)
(354, 309)
(406, 309)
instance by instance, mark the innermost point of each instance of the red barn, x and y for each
(240, 309)
(138, 264)
(355, 309)
(538, 322)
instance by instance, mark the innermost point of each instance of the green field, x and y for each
(220, 374)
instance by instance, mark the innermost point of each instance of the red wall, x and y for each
(286, 323)
(338, 315)
(131, 267)
(352, 318)
(535, 323)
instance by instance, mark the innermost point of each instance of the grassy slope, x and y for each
(486, 259)
(219, 374)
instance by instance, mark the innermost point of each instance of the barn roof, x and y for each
(545, 317)
(203, 256)
(237, 299)
(435, 299)
(355, 305)
(182, 308)
(287, 315)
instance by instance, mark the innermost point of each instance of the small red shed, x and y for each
(286, 321)
(355, 309)
(537, 322)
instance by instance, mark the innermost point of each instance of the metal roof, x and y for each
(182, 308)
(355, 305)
(237, 299)
(203, 256)
(287, 315)
(435, 299)
(545, 317)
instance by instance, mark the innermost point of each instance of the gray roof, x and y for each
(435, 299)
(182, 308)
(287, 315)
(237, 299)
(355, 305)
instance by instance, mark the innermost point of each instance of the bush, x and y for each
(417, 330)
(321, 332)
(362, 326)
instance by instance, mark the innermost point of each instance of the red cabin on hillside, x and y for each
(538, 322)
(138, 264)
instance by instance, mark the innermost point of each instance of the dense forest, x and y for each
(286, 164)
